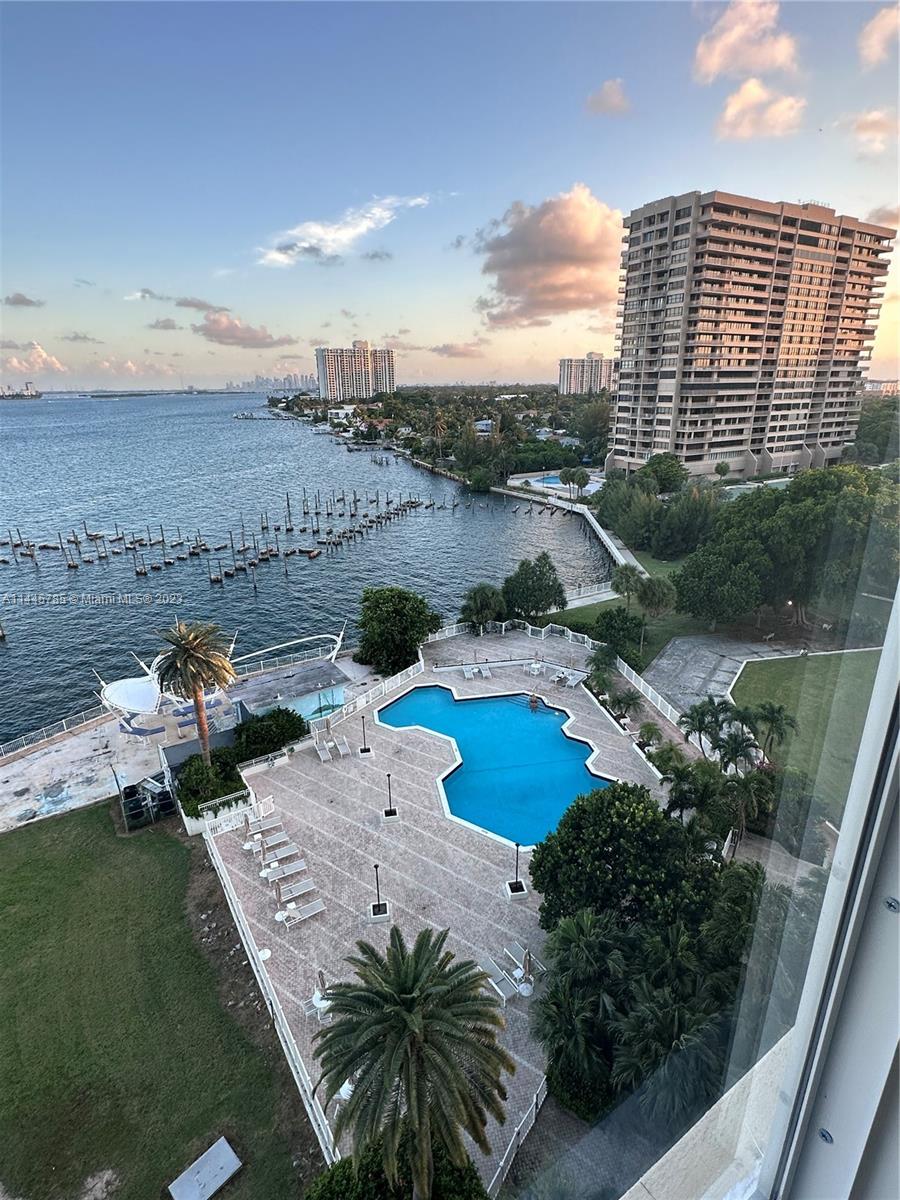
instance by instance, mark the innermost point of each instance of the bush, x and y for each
(620, 629)
(198, 783)
(367, 1181)
(587, 1098)
(267, 733)
(480, 479)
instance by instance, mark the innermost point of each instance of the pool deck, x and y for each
(433, 871)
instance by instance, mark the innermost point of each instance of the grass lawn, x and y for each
(828, 695)
(657, 566)
(659, 631)
(115, 1051)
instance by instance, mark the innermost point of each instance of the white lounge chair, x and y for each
(468, 672)
(264, 826)
(290, 891)
(323, 752)
(285, 870)
(498, 979)
(343, 747)
(572, 681)
(486, 672)
(293, 916)
(560, 675)
(273, 857)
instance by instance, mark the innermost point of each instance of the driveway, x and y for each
(690, 668)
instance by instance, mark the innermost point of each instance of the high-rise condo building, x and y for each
(586, 376)
(354, 374)
(743, 327)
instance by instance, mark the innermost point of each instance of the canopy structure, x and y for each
(138, 695)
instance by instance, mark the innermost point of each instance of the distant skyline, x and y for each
(204, 191)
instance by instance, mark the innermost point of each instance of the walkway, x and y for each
(690, 668)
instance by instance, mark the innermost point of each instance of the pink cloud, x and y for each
(755, 111)
(231, 331)
(745, 40)
(34, 362)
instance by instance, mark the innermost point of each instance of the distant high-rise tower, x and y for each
(586, 376)
(744, 326)
(354, 374)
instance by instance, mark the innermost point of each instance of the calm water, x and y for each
(519, 772)
(181, 460)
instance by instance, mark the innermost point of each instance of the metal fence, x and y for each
(314, 1109)
(519, 1133)
(227, 812)
(50, 731)
(669, 711)
(256, 665)
(588, 589)
(375, 693)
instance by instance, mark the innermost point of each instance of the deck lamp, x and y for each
(365, 748)
(390, 813)
(515, 888)
(378, 911)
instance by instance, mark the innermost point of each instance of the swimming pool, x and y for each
(519, 771)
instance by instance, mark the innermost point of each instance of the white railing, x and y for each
(519, 1134)
(256, 665)
(669, 711)
(588, 589)
(449, 631)
(227, 812)
(314, 1109)
(375, 693)
(50, 731)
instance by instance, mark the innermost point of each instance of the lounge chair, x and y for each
(273, 857)
(343, 747)
(560, 675)
(284, 871)
(323, 752)
(517, 954)
(468, 672)
(264, 825)
(498, 979)
(290, 891)
(271, 841)
(572, 681)
(486, 672)
(293, 916)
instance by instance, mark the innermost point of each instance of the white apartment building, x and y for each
(356, 373)
(586, 376)
(743, 328)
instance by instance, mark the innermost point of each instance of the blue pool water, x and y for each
(550, 479)
(519, 771)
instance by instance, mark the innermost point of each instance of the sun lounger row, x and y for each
(340, 745)
(484, 670)
(565, 678)
(508, 983)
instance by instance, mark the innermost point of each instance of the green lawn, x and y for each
(115, 1053)
(828, 695)
(659, 631)
(657, 566)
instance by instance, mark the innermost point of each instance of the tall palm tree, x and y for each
(417, 1034)
(626, 580)
(440, 431)
(695, 721)
(483, 603)
(749, 795)
(198, 658)
(736, 747)
(776, 721)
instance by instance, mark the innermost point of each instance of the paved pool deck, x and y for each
(433, 871)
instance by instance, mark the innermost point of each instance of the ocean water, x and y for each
(519, 771)
(181, 461)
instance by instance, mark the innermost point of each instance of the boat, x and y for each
(28, 392)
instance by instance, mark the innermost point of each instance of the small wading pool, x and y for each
(519, 771)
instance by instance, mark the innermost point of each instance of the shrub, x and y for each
(619, 629)
(366, 1180)
(267, 733)
(198, 783)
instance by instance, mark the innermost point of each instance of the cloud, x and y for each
(20, 300)
(350, 316)
(376, 256)
(81, 337)
(326, 241)
(458, 242)
(231, 331)
(35, 362)
(85, 283)
(164, 323)
(128, 368)
(756, 111)
(874, 130)
(878, 36)
(200, 305)
(293, 357)
(8, 344)
(886, 214)
(460, 349)
(745, 40)
(314, 342)
(556, 257)
(146, 294)
(609, 99)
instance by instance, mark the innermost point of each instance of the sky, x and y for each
(197, 192)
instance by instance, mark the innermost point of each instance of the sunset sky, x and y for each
(196, 192)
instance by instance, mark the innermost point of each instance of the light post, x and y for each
(379, 910)
(390, 813)
(515, 888)
(365, 748)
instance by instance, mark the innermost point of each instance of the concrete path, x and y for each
(690, 668)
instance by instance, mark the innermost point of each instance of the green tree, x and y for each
(668, 471)
(723, 470)
(566, 476)
(265, 734)
(534, 588)
(615, 851)
(393, 623)
(581, 479)
(624, 704)
(483, 603)
(649, 734)
(736, 747)
(417, 1033)
(749, 795)
(619, 629)
(626, 579)
(198, 659)
(657, 596)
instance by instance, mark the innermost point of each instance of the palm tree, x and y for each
(417, 1034)
(589, 950)
(626, 580)
(649, 734)
(440, 432)
(483, 603)
(776, 721)
(198, 658)
(624, 704)
(695, 721)
(749, 795)
(581, 479)
(736, 746)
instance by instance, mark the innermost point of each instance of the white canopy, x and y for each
(140, 694)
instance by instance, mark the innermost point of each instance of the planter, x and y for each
(378, 913)
(364, 750)
(389, 815)
(515, 889)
